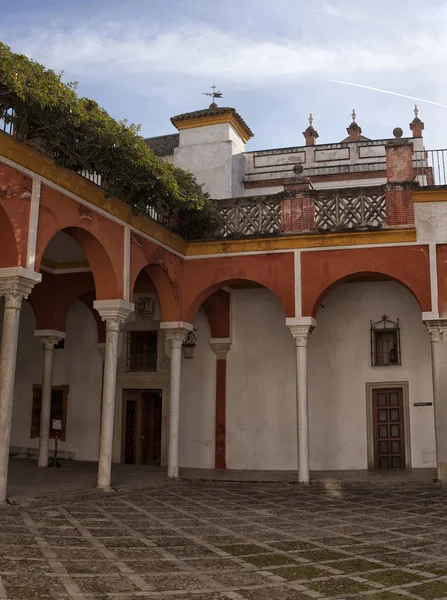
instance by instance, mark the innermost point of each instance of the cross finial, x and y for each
(416, 111)
(311, 120)
(354, 116)
(214, 94)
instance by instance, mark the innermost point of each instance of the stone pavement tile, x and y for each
(105, 583)
(373, 550)
(340, 586)
(321, 555)
(242, 549)
(355, 565)
(33, 587)
(98, 567)
(12, 565)
(386, 596)
(142, 566)
(293, 546)
(337, 541)
(393, 577)
(191, 552)
(213, 564)
(435, 568)
(272, 593)
(123, 542)
(240, 579)
(298, 573)
(172, 582)
(430, 591)
(267, 560)
(143, 552)
(402, 559)
(20, 551)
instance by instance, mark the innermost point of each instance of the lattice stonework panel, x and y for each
(341, 209)
(249, 216)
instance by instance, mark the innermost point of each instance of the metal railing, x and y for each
(249, 216)
(350, 208)
(7, 127)
(429, 167)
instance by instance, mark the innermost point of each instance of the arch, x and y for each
(9, 248)
(165, 289)
(104, 275)
(101, 239)
(202, 277)
(407, 265)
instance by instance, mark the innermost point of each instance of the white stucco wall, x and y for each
(260, 385)
(78, 365)
(431, 222)
(198, 402)
(214, 155)
(261, 378)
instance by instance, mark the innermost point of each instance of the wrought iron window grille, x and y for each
(385, 343)
(142, 350)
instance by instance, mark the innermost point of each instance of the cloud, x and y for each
(205, 52)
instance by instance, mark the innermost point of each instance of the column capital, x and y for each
(176, 332)
(220, 347)
(113, 312)
(437, 329)
(301, 328)
(17, 283)
(49, 337)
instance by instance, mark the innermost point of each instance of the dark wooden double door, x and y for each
(142, 427)
(389, 434)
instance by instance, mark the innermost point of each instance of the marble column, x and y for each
(221, 346)
(301, 333)
(49, 339)
(16, 283)
(114, 313)
(176, 333)
(437, 330)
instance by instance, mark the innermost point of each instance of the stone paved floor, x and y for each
(213, 540)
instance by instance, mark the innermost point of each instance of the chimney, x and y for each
(416, 124)
(354, 130)
(310, 134)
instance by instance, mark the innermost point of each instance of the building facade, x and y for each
(316, 318)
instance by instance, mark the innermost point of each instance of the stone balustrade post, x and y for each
(400, 181)
(49, 339)
(114, 313)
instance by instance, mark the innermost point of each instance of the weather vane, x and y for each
(214, 94)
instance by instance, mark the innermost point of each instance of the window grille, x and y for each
(142, 350)
(385, 343)
(59, 396)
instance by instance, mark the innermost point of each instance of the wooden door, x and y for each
(389, 434)
(142, 427)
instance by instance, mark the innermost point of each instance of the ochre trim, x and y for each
(290, 242)
(44, 167)
(56, 265)
(242, 131)
(430, 196)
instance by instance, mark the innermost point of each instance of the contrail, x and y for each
(367, 87)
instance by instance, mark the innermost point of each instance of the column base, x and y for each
(442, 470)
(106, 489)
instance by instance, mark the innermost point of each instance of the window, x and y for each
(59, 396)
(385, 343)
(142, 350)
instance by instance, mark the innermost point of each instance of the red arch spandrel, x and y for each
(202, 277)
(15, 202)
(101, 239)
(321, 271)
(217, 309)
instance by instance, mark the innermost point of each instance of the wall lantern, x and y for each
(189, 345)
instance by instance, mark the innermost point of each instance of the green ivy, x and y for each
(80, 135)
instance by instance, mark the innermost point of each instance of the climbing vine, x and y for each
(81, 135)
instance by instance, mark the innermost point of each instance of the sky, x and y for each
(275, 61)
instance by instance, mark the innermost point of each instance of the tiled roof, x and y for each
(163, 145)
(211, 112)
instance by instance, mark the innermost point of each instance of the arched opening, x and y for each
(364, 413)
(260, 380)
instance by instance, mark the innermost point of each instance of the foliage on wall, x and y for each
(81, 135)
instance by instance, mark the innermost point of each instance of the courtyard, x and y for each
(210, 540)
